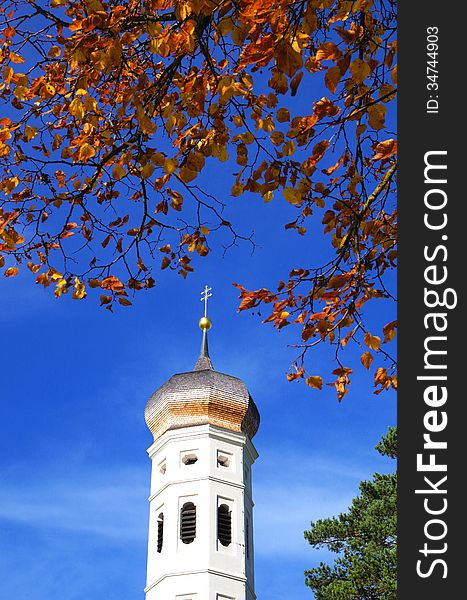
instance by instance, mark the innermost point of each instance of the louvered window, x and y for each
(160, 532)
(188, 523)
(224, 525)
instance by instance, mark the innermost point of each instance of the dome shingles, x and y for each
(199, 397)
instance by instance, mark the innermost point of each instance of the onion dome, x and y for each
(202, 396)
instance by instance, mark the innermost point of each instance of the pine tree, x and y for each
(364, 538)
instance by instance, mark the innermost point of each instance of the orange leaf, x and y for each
(318, 153)
(372, 341)
(366, 359)
(315, 382)
(287, 59)
(112, 283)
(359, 70)
(332, 78)
(328, 51)
(389, 331)
(385, 149)
(124, 301)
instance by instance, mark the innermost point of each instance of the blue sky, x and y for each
(74, 474)
(74, 471)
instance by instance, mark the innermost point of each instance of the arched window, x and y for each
(160, 532)
(224, 525)
(188, 523)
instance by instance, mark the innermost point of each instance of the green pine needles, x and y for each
(364, 538)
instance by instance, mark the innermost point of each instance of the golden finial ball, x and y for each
(205, 323)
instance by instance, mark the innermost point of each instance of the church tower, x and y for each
(200, 544)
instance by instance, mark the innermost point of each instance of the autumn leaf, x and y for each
(292, 195)
(377, 116)
(385, 149)
(86, 152)
(318, 152)
(283, 115)
(118, 171)
(389, 331)
(11, 272)
(112, 283)
(328, 51)
(76, 108)
(79, 145)
(372, 341)
(79, 289)
(366, 359)
(124, 301)
(315, 382)
(16, 58)
(332, 78)
(288, 60)
(359, 70)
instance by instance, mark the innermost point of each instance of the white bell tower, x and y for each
(200, 543)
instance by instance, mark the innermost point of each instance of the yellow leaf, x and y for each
(11, 272)
(292, 195)
(16, 58)
(237, 189)
(366, 359)
(315, 382)
(359, 70)
(21, 92)
(76, 108)
(86, 152)
(389, 331)
(394, 75)
(60, 287)
(79, 291)
(372, 341)
(8, 73)
(204, 230)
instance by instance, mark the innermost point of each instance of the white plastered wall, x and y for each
(203, 569)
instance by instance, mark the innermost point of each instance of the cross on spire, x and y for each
(205, 294)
